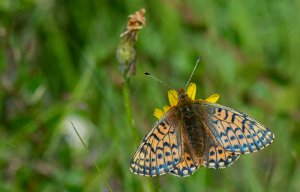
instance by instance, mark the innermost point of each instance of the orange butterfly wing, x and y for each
(160, 150)
(216, 157)
(235, 132)
(186, 167)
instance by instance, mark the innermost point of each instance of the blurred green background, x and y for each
(58, 64)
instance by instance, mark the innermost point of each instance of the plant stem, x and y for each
(128, 109)
(94, 162)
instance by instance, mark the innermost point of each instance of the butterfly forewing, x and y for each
(235, 131)
(160, 150)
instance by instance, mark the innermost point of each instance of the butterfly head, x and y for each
(181, 95)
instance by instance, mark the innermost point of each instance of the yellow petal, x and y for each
(191, 90)
(166, 108)
(173, 97)
(213, 98)
(158, 113)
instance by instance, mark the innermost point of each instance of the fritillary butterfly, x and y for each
(192, 133)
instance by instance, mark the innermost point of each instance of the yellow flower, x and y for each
(173, 99)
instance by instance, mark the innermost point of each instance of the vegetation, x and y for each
(58, 65)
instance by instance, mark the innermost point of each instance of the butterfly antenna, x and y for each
(198, 60)
(148, 74)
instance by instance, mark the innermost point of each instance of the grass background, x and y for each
(58, 64)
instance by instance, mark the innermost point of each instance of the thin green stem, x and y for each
(157, 184)
(128, 109)
(131, 121)
(150, 183)
(94, 162)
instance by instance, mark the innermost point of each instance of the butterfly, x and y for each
(192, 133)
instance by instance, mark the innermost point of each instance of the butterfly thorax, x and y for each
(194, 134)
(183, 97)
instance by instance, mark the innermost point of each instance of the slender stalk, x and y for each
(151, 187)
(128, 109)
(126, 55)
(94, 162)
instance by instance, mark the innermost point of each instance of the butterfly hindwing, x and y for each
(159, 151)
(216, 157)
(186, 167)
(235, 131)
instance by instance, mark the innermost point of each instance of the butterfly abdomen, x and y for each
(195, 134)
